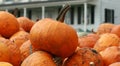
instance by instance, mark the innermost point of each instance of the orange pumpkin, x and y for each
(105, 28)
(88, 41)
(116, 30)
(119, 46)
(106, 40)
(15, 55)
(21, 29)
(54, 36)
(19, 38)
(26, 49)
(115, 64)
(110, 55)
(5, 64)
(83, 57)
(8, 24)
(39, 58)
(25, 23)
(4, 53)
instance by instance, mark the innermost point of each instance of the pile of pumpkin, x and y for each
(49, 42)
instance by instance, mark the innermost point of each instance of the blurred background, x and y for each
(84, 15)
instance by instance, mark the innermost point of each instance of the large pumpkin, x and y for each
(19, 38)
(110, 55)
(106, 40)
(105, 28)
(5, 64)
(39, 58)
(54, 36)
(84, 57)
(15, 55)
(25, 23)
(8, 24)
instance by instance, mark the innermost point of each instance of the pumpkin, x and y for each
(4, 53)
(39, 58)
(8, 24)
(15, 55)
(54, 36)
(116, 30)
(115, 64)
(119, 46)
(21, 29)
(19, 38)
(84, 57)
(25, 23)
(105, 28)
(110, 55)
(106, 40)
(88, 41)
(26, 49)
(5, 64)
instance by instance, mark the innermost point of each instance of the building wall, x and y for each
(100, 14)
(97, 18)
(1, 1)
(112, 4)
(100, 5)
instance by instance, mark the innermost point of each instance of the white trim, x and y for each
(25, 12)
(85, 17)
(47, 4)
(43, 12)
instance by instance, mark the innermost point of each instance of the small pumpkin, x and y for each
(115, 64)
(15, 55)
(19, 38)
(110, 55)
(26, 49)
(39, 58)
(88, 41)
(84, 57)
(106, 40)
(8, 24)
(116, 30)
(25, 23)
(5, 64)
(54, 36)
(105, 28)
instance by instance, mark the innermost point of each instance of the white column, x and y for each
(76, 17)
(6, 10)
(43, 12)
(25, 12)
(85, 17)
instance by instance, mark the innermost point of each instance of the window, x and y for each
(80, 14)
(29, 13)
(69, 17)
(109, 15)
(90, 14)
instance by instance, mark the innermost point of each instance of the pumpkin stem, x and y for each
(93, 31)
(15, 11)
(92, 64)
(94, 51)
(61, 15)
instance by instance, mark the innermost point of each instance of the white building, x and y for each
(84, 14)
